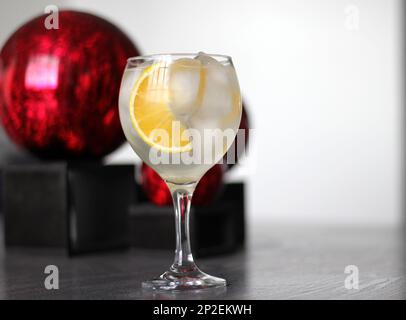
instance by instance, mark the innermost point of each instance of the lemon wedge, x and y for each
(151, 114)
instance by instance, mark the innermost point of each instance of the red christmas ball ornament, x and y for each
(154, 186)
(59, 87)
(237, 150)
(209, 186)
(206, 191)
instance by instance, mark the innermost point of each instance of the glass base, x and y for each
(192, 280)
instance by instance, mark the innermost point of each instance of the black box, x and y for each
(216, 229)
(80, 206)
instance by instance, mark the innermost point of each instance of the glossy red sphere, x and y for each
(206, 191)
(59, 87)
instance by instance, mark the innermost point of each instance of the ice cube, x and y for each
(217, 95)
(184, 85)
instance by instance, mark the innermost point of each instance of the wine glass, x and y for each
(180, 113)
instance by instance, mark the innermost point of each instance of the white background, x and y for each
(322, 82)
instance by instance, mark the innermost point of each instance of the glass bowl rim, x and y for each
(161, 55)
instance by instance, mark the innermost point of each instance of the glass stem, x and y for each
(182, 198)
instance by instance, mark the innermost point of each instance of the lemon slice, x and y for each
(151, 114)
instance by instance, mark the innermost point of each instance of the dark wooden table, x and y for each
(279, 262)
